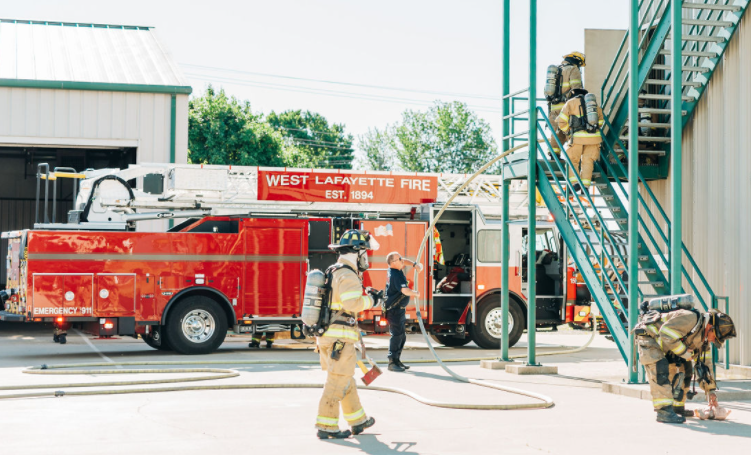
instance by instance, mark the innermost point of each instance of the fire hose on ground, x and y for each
(223, 373)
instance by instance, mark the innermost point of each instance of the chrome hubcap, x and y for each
(493, 322)
(198, 326)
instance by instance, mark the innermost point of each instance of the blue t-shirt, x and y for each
(395, 282)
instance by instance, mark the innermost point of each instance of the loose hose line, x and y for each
(219, 373)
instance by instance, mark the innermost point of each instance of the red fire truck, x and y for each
(239, 258)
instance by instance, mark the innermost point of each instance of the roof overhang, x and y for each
(96, 86)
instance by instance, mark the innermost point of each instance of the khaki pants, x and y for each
(553, 115)
(587, 155)
(340, 388)
(661, 375)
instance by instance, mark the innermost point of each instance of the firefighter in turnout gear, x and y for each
(255, 341)
(558, 90)
(675, 345)
(584, 134)
(337, 345)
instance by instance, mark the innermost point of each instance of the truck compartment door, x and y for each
(65, 294)
(116, 294)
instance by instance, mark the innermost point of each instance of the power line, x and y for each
(352, 84)
(325, 92)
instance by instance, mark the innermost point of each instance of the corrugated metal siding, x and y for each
(85, 53)
(77, 114)
(717, 186)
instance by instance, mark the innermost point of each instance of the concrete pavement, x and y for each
(584, 420)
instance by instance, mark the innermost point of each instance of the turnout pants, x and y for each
(586, 155)
(340, 388)
(663, 376)
(553, 115)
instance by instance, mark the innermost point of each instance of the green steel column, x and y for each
(505, 131)
(676, 162)
(532, 186)
(505, 272)
(633, 187)
(506, 80)
(172, 139)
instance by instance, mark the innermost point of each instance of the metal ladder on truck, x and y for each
(106, 201)
(595, 225)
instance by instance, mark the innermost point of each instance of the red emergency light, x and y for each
(60, 320)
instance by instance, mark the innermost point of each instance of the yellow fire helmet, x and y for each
(578, 55)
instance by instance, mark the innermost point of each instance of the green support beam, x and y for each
(505, 131)
(676, 159)
(532, 187)
(633, 180)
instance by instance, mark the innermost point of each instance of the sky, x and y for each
(360, 63)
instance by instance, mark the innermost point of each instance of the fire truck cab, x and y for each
(241, 264)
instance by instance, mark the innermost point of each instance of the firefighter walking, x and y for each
(581, 119)
(255, 341)
(560, 81)
(675, 345)
(337, 344)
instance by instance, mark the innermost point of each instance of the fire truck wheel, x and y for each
(486, 333)
(450, 341)
(196, 326)
(163, 346)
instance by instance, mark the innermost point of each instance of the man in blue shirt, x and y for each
(397, 299)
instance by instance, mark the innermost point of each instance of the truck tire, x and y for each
(197, 325)
(450, 341)
(163, 346)
(486, 333)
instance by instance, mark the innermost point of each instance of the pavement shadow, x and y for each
(423, 374)
(721, 428)
(369, 443)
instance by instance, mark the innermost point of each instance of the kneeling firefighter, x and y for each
(674, 342)
(337, 344)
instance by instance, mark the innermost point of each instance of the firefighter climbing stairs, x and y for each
(711, 26)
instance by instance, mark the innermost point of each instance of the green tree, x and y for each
(223, 130)
(311, 141)
(377, 149)
(447, 138)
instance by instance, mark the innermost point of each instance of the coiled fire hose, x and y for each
(223, 373)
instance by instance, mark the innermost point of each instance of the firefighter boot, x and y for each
(336, 435)
(254, 343)
(682, 411)
(269, 343)
(398, 361)
(667, 415)
(357, 429)
(394, 366)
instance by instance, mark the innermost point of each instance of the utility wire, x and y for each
(351, 84)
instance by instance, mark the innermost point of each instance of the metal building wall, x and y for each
(86, 118)
(717, 186)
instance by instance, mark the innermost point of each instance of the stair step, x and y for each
(664, 82)
(649, 96)
(654, 284)
(706, 23)
(686, 53)
(648, 152)
(652, 110)
(701, 38)
(648, 139)
(693, 69)
(654, 125)
(694, 5)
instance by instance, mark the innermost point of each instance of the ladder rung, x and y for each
(663, 82)
(706, 23)
(711, 6)
(648, 139)
(702, 38)
(652, 110)
(649, 96)
(685, 53)
(694, 69)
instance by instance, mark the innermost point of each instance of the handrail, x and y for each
(581, 205)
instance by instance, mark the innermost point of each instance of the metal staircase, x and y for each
(710, 26)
